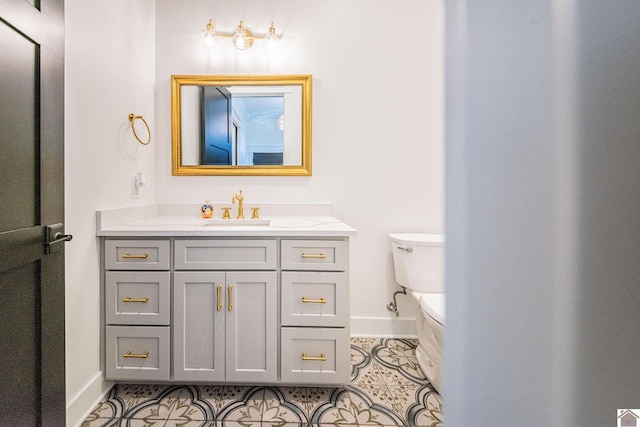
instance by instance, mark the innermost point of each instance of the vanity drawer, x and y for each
(138, 298)
(314, 355)
(225, 255)
(137, 255)
(137, 353)
(310, 298)
(325, 255)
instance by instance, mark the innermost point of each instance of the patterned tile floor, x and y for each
(387, 389)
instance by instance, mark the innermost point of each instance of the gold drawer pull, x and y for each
(313, 255)
(230, 294)
(322, 357)
(219, 303)
(318, 301)
(135, 256)
(136, 356)
(129, 299)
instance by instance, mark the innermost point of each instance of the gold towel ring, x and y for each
(132, 118)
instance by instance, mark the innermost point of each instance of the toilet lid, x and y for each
(433, 304)
(418, 239)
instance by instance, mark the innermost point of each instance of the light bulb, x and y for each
(242, 39)
(208, 36)
(271, 41)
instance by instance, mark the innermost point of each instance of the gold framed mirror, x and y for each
(241, 125)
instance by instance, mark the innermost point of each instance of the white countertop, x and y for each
(178, 220)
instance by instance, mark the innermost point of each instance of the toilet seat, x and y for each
(433, 304)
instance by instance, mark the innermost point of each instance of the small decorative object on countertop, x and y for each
(207, 209)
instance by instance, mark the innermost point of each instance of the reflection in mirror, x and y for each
(241, 125)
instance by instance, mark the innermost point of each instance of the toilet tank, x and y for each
(418, 261)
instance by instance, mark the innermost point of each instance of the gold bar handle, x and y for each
(136, 356)
(219, 303)
(129, 299)
(313, 255)
(135, 256)
(229, 292)
(317, 301)
(322, 357)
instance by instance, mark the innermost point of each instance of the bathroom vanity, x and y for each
(192, 300)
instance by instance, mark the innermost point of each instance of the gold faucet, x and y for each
(240, 199)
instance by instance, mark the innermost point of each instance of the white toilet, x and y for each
(418, 259)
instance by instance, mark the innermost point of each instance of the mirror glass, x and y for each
(241, 125)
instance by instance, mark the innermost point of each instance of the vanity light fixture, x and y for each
(242, 39)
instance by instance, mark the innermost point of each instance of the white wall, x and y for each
(377, 120)
(109, 73)
(542, 212)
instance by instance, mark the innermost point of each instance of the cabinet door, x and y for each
(252, 312)
(314, 255)
(315, 355)
(137, 297)
(137, 353)
(312, 298)
(225, 255)
(199, 324)
(137, 255)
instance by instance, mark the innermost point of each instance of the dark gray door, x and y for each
(32, 369)
(216, 126)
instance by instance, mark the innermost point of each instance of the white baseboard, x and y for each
(383, 327)
(81, 405)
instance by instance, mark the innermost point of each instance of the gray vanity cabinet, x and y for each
(225, 326)
(226, 313)
(245, 309)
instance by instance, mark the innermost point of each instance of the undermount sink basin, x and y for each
(234, 222)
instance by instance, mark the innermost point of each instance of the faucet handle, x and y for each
(225, 214)
(255, 212)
